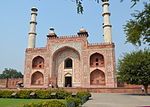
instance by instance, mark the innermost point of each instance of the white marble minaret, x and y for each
(32, 31)
(106, 24)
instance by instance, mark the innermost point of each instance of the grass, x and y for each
(8, 102)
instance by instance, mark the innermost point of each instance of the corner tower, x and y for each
(32, 31)
(106, 24)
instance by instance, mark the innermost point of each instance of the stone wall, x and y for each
(12, 82)
(136, 90)
(3, 83)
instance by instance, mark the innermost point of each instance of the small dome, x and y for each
(51, 32)
(34, 9)
(82, 30)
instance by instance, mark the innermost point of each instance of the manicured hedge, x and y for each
(43, 94)
(25, 94)
(61, 94)
(84, 96)
(84, 93)
(53, 103)
(52, 94)
(5, 93)
(71, 101)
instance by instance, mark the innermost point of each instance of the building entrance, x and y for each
(68, 81)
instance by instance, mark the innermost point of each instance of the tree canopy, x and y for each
(138, 29)
(80, 7)
(134, 68)
(10, 73)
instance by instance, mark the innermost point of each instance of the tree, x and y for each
(134, 68)
(134, 2)
(10, 73)
(138, 29)
(80, 8)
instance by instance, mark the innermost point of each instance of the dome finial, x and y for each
(52, 32)
(83, 32)
(82, 29)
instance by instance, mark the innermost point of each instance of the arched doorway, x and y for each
(37, 78)
(68, 80)
(97, 77)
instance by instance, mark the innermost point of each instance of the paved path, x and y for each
(117, 100)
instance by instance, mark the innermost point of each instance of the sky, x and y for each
(62, 15)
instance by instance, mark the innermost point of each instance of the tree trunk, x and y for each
(6, 82)
(146, 89)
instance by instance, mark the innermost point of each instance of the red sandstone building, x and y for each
(70, 61)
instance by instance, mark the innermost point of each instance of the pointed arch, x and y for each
(68, 63)
(65, 56)
(97, 77)
(64, 49)
(37, 78)
(38, 62)
(96, 60)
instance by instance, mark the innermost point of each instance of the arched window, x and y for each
(97, 77)
(68, 63)
(37, 78)
(96, 60)
(38, 62)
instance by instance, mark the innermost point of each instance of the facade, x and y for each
(70, 61)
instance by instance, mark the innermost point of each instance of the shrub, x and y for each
(73, 102)
(52, 103)
(84, 99)
(43, 94)
(61, 94)
(80, 98)
(24, 94)
(33, 105)
(84, 96)
(81, 94)
(5, 93)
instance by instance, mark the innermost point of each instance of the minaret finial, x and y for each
(32, 32)
(106, 24)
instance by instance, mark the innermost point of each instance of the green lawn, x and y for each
(8, 102)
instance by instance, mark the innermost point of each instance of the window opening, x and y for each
(68, 63)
